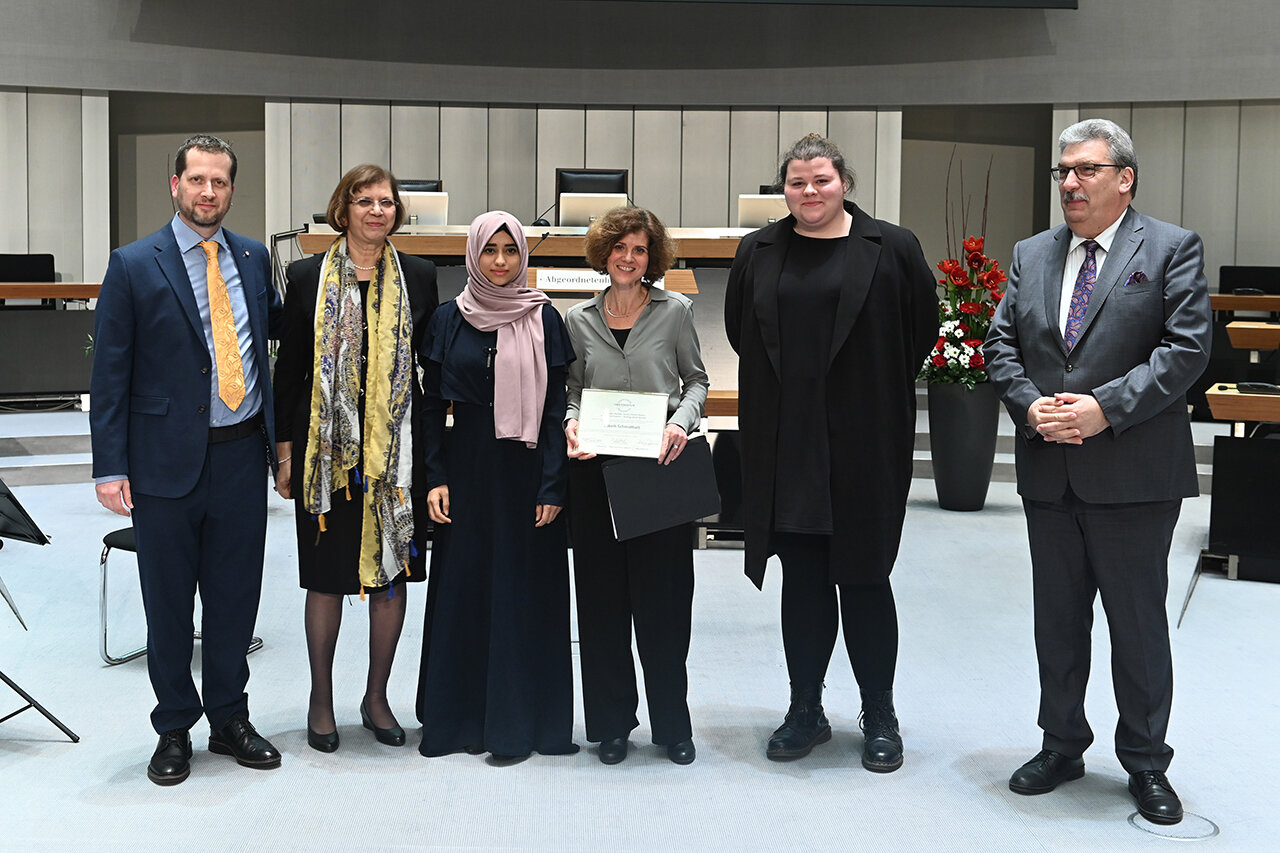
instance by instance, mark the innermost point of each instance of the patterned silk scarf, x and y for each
(334, 446)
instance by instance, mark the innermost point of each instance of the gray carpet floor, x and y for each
(966, 695)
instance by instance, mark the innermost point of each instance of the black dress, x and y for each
(496, 671)
(329, 563)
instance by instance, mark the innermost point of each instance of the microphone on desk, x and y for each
(541, 220)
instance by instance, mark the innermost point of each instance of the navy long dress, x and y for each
(496, 673)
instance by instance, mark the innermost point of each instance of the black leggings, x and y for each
(811, 614)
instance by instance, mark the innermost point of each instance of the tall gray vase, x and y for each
(962, 443)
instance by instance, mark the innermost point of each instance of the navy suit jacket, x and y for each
(152, 371)
(1144, 340)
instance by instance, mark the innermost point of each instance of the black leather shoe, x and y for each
(804, 727)
(1156, 799)
(393, 736)
(171, 762)
(682, 752)
(614, 750)
(882, 744)
(241, 740)
(1045, 772)
(324, 743)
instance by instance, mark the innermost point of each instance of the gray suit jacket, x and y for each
(1145, 339)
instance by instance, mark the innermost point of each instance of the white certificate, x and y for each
(622, 423)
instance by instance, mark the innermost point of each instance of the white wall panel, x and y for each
(1157, 131)
(366, 135)
(1063, 117)
(753, 154)
(1259, 204)
(610, 137)
(655, 180)
(561, 144)
(513, 158)
(415, 141)
(1211, 164)
(13, 166)
(888, 165)
(95, 181)
(54, 182)
(854, 131)
(793, 124)
(464, 160)
(276, 156)
(704, 168)
(315, 167)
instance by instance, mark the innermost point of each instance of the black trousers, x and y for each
(1079, 550)
(209, 541)
(812, 611)
(646, 582)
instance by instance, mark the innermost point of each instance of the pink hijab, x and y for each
(520, 366)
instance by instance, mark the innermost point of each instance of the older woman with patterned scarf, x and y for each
(496, 675)
(348, 400)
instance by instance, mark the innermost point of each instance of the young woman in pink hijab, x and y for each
(496, 675)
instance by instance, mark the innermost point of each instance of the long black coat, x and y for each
(886, 323)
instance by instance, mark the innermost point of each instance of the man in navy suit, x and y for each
(1104, 327)
(183, 431)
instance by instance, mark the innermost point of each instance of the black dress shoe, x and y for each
(241, 740)
(614, 750)
(1156, 799)
(324, 743)
(171, 762)
(682, 752)
(1045, 772)
(393, 736)
(804, 727)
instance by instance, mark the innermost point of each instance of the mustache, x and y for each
(1075, 196)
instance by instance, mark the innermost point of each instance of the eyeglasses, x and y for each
(365, 203)
(1084, 171)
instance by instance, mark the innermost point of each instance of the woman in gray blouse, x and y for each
(633, 337)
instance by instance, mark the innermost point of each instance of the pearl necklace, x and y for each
(643, 303)
(364, 269)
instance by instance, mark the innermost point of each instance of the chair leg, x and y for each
(107, 657)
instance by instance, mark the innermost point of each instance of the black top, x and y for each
(620, 335)
(808, 294)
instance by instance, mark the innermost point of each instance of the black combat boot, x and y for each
(805, 725)
(882, 747)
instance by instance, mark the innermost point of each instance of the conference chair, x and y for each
(123, 540)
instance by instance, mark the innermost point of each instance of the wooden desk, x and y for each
(1236, 302)
(451, 241)
(1252, 334)
(677, 281)
(722, 403)
(1228, 404)
(48, 290)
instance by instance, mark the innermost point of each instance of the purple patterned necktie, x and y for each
(1085, 281)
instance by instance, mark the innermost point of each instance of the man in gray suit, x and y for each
(1104, 327)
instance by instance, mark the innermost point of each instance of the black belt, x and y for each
(235, 431)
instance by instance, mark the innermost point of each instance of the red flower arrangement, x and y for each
(968, 293)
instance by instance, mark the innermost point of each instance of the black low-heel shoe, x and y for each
(324, 743)
(613, 750)
(393, 736)
(682, 752)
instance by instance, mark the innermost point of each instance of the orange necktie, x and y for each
(226, 345)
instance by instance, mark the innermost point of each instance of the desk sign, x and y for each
(621, 423)
(574, 281)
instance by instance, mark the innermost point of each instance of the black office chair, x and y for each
(589, 181)
(421, 185)
(123, 540)
(37, 267)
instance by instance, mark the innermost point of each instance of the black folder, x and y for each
(645, 497)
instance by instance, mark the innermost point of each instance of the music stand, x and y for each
(17, 525)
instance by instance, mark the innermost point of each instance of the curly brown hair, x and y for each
(606, 231)
(348, 190)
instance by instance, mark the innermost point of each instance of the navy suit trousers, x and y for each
(209, 541)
